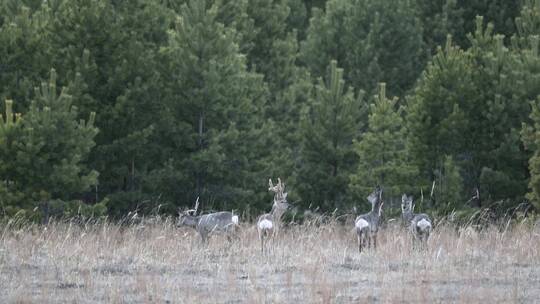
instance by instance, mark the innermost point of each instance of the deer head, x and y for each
(188, 217)
(278, 190)
(280, 197)
(375, 198)
(406, 204)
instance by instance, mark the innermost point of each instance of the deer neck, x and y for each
(376, 209)
(407, 215)
(375, 214)
(277, 214)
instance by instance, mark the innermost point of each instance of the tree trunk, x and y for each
(201, 143)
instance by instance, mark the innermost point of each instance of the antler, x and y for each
(196, 205)
(281, 187)
(194, 211)
(380, 208)
(271, 186)
(277, 189)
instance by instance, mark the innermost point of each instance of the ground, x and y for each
(160, 263)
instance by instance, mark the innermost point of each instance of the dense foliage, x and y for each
(145, 105)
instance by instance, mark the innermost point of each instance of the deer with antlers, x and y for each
(268, 223)
(223, 222)
(367, 225)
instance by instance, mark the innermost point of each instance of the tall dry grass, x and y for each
(159, 263)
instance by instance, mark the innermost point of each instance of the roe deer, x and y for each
(206, 224)
(268, 223)
(367, 225)
(419, 224)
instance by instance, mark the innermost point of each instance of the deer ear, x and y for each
(404, 198)
(285, 195)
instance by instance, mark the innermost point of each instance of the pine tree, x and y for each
(376, 40)
(469, 105)
(113, 47)
(528, 21)
(328, 127)
(219, 100)
(457, 18)
(274, 53)
(447, 188)
(531, 138)
(10, 133)
(436, 111)
(507, 78)
(381, 151)
(23, 52)
(45, 154)
(526, 42)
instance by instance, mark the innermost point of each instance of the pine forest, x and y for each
(111, 107)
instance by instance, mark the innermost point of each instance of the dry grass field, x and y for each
(159, 263)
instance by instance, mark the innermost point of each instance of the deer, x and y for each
(268, 224)
(367, 225)
(419, 224)
(224, 222)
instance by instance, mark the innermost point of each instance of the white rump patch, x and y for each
(235, 219)
(361, 223)
(423, 224)
(265, 224)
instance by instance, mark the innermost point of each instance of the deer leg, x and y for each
(272, 241)
(416, 240)
(236, 234)
(375, 241)
(272, 235)
(262, 235)
(364, 240)
(275, 238)
(359, 238)
(425, 239)
(204, 239)
(268, 236)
